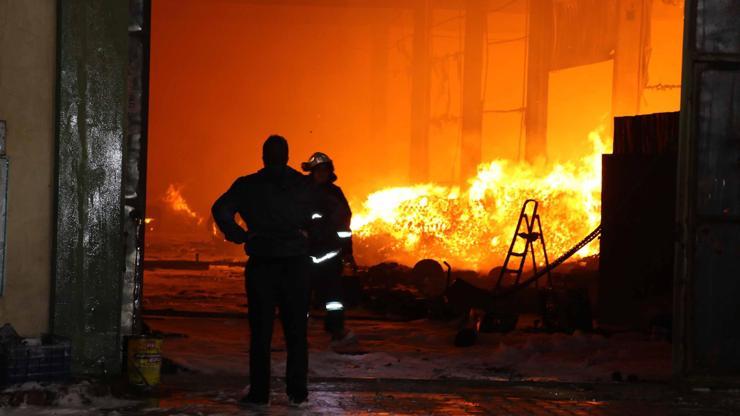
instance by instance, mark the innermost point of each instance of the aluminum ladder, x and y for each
(528, 229)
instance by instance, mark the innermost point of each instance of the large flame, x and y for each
(473, 227)
(174, 199)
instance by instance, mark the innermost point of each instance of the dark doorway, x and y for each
(341, 78)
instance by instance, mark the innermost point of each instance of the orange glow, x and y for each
(173, 198)
(337, 77)
(148, 220)
(472, 227)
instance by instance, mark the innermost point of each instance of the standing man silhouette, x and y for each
(275, 204)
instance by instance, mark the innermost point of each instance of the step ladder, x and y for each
(528, 229)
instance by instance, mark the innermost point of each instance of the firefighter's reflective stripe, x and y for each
(334, 306)
(327, 256)
(344, 234)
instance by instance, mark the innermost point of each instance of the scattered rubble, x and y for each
(81, 395)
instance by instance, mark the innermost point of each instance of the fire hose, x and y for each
(557, 262)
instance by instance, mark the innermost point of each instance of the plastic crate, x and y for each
(50, 361)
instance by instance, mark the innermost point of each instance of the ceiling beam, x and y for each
(503, 5)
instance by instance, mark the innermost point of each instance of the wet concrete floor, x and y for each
(210, 395)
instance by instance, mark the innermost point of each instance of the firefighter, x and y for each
(331, 242)
(276, 205)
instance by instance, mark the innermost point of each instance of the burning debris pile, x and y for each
(472, 227)
(469, 227)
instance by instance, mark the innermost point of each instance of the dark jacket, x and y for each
(276, 204)
(335, 217)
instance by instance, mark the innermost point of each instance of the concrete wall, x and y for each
(27, 73)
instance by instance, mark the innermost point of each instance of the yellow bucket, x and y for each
(144, 361)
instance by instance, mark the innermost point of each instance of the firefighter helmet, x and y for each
(316, 159)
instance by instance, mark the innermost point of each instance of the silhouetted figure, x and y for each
(331, 241)
(275, 204)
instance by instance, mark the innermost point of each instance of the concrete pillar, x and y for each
(631, 56)
(419, 152)
(88, 263)
(379, 80)
(472, 99)
(539, 50)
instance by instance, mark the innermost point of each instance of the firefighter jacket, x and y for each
(330, 226)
